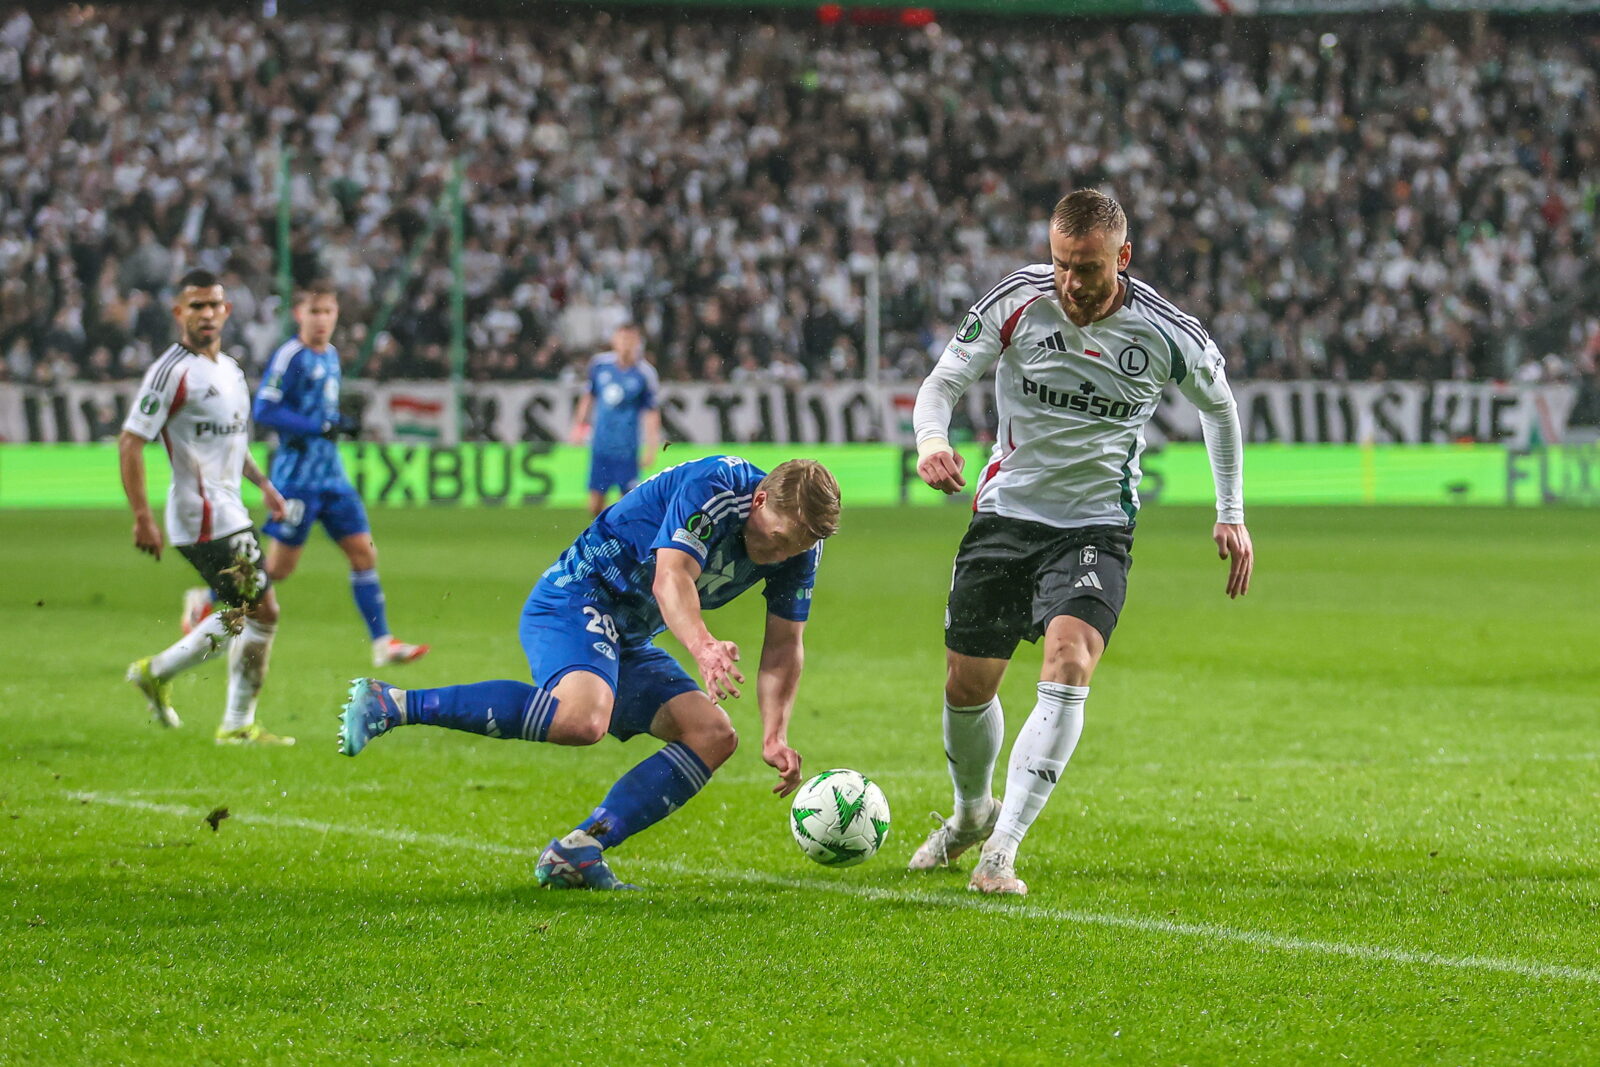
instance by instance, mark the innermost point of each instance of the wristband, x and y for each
(931, 445)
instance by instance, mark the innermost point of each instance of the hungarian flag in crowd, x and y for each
(416, 418)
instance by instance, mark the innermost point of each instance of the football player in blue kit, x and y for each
(621, 399)
(689, 539)
(299, 398)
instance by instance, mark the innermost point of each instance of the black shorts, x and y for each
(231, 566)
(1013, 576)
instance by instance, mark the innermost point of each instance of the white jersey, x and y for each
(1073, 401)
(200, 408)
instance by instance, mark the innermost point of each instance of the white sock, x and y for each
(1043, 747)
(247, 666)
(972, 739)
(194, 648)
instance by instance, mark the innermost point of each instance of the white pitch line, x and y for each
(1001, 908)
(1288, 764)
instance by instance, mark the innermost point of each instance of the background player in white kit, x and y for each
(1081, 351)
(196, 400)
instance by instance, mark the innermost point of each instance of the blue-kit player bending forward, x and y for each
(299, 398)
(690, 538)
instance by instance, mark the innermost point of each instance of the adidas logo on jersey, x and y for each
(1088, 581)
(1054, 343)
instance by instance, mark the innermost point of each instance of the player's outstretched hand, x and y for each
(942, 471)
(786, 761)
(147, 535)
(277, 507)
(1233, 543)
(718, 661)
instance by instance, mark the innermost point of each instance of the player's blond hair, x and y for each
(1085, 211)
(804, 489)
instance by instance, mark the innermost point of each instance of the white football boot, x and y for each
(388, 651)
(996, 874)
(950, 839)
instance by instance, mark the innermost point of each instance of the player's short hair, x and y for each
(1085, 211)
(804, 489)
(307, 293)
(198, 279)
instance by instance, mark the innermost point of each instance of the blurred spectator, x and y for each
(1399, 199)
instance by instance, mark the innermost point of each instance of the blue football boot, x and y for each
(576, 862)
(374, 708)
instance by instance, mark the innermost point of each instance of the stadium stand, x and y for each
(1397, 200)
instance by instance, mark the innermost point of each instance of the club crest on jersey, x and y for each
(1133, 360)
(971, 327)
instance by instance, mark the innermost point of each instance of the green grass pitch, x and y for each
(1352, 818)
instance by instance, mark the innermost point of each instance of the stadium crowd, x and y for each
(1397, 199)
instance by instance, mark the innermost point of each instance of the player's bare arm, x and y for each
(130, 460)
(777, 682)
(1233, 544)
(580, 420)
(679, 600)
(277, 507)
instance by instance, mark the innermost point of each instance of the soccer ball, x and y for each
(839, 818)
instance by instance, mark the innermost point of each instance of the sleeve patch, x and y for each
(971, 328)
(689, 540)
(699, 525)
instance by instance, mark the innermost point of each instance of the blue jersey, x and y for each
(299, 398)
(621, 395)
(700, 508)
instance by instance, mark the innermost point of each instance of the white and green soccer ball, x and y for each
(839, 818)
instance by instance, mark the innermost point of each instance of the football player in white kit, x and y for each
(1081, 352)
(196, 400)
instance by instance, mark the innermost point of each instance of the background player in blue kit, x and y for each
(690, 538)
(299, 398)
(621, 399)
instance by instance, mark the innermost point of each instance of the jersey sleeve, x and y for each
(283, 371)
(1204, 383)
(161, 394)
(591, 377)
(788, 592)
(652, 383)
(272, 408)
(705, 509)
(977, 343)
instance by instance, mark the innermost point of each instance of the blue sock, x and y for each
(647, 794)
(507, 710)
(369, 600)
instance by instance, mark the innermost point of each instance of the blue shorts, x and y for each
(620, 470)
(571, 629)
(339, 510)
